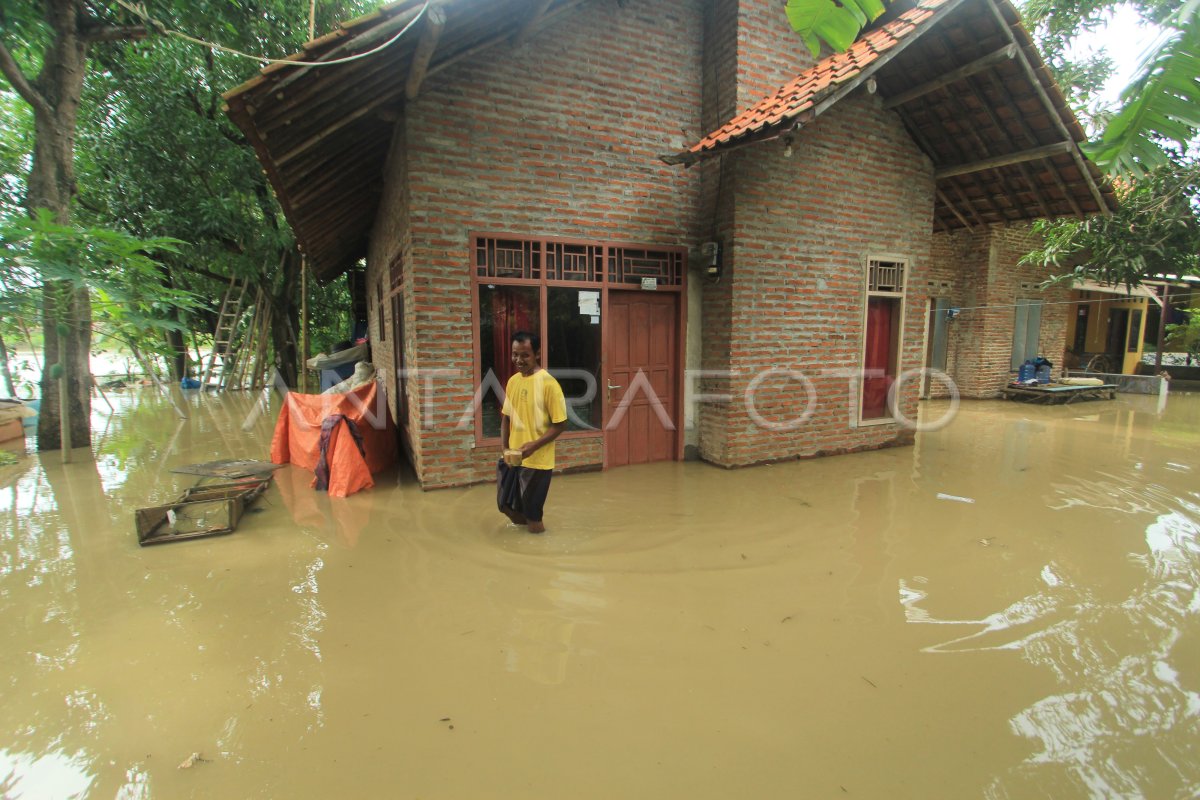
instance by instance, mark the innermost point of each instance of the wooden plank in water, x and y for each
(1058, 393)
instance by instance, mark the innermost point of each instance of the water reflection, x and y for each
(56, 774)
(1116, 630)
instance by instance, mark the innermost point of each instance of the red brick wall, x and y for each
(390, 258)
(980, 273)
(769, 52)
(855, 186)
(559, 137)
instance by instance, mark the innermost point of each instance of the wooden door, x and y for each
(877, 366)
(935, 357)
(640, 378)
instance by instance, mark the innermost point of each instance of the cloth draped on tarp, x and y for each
(361, 442)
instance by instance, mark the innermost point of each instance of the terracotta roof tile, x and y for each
(805, 90)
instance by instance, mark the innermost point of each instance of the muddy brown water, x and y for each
(827, 628)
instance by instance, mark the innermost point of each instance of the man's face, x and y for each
(524, 359)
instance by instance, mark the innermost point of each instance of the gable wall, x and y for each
(559, 137)
(855, 185)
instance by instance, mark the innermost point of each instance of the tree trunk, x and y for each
(67, 310)
(283, 321)
(177, 362)
(179, 353)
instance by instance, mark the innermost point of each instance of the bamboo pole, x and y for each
(64, 403)
(1162, 327)
(304, 325)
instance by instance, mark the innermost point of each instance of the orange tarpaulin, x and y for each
(297, 437)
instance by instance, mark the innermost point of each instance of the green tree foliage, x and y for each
(1185, 337)
(117, 269)
(1154, 231)
(837, 24)
(1144, 146)
(16, 146)
(1160, 111)
(158, 153)
(151, 153)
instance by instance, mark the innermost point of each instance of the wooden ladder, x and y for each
(253, 348)
(225, 333)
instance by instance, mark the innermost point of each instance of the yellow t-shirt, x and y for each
(531, 405)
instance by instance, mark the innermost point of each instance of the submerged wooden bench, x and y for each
(1059, 393)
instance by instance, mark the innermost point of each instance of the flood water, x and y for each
(828, 628)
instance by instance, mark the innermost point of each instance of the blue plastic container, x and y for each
(1027, 371)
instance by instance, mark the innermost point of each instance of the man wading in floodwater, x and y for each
(534, 415)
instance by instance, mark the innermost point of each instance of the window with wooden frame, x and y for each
(883, 314)
(379, 295)
(554, 288)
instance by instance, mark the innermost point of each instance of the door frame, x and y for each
(677, 361)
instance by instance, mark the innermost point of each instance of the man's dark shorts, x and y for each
(522, 490)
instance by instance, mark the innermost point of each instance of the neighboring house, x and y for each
(687, 206)
(1107, 327)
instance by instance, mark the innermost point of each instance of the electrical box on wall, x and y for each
(711, 259)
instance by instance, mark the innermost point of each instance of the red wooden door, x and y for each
(640, 416)
(878, 361)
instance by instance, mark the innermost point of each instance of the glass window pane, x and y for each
(503, 310)
(573, 352)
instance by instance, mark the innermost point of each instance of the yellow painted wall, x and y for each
(1097, 325)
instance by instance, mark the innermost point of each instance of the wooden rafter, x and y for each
(950, 205)
(1005, 53)
(1002, 90)
(982, 99)
(924, 143)
(355, 43)
(326, 132)
(966, 201)
(435, 21)
(985, 195)
(955, 99)
(1055, 116)
(1032, 154)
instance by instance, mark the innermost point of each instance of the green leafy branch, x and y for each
(837, 24)
(119, 272)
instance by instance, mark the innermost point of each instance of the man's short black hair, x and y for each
(535, 341)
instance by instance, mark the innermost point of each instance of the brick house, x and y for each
(732, 249)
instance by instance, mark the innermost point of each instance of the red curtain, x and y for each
(511, 312)
(877, 363)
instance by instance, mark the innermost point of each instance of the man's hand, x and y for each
(529, 448)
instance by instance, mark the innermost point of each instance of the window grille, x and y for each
(630, 265)
(507, 258)
(573, 262)
(885, 276)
